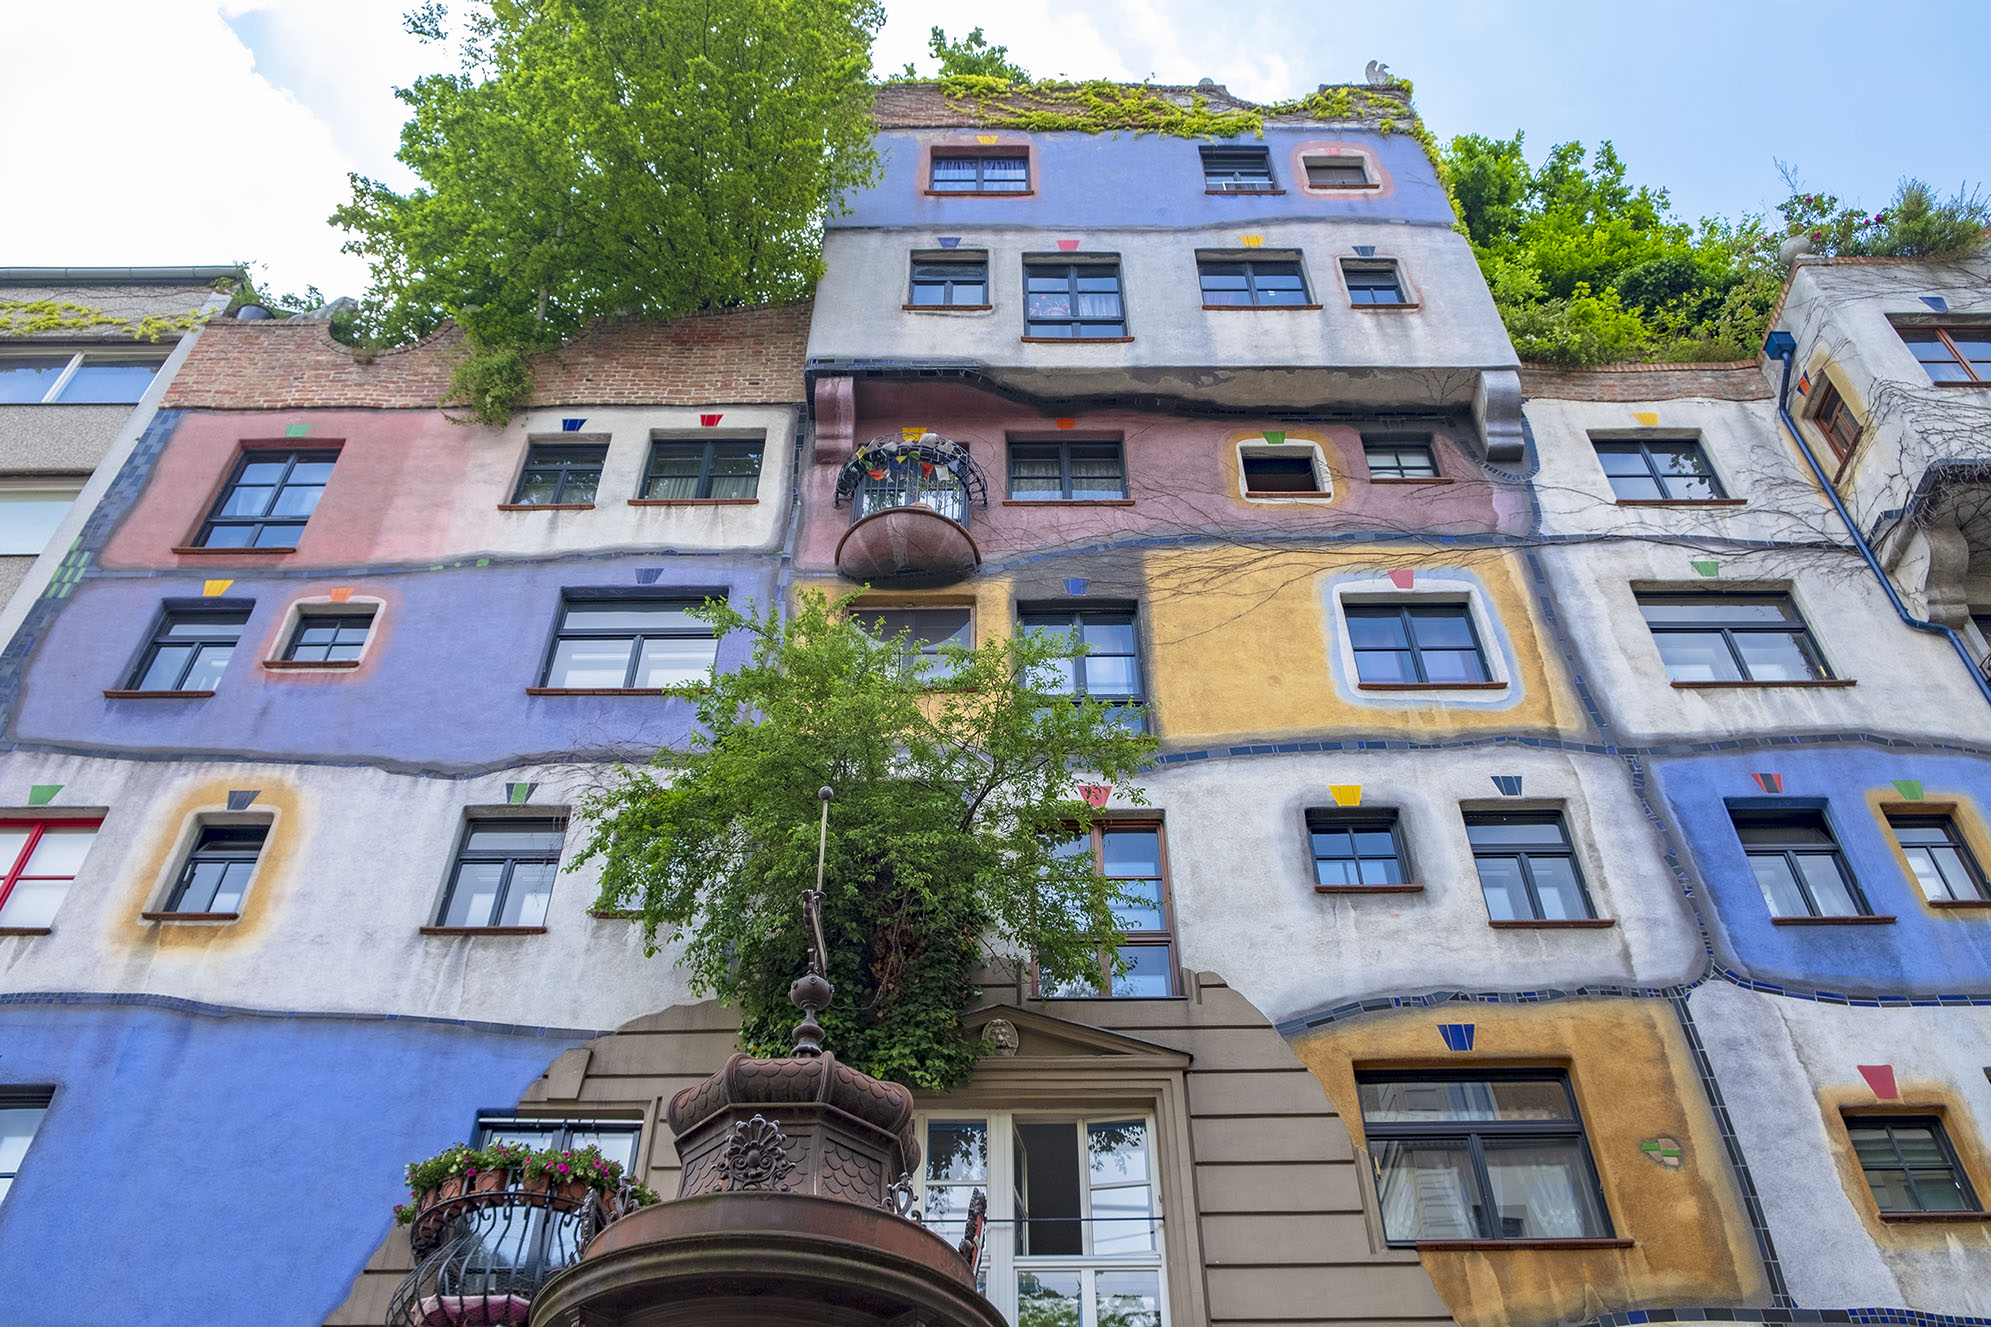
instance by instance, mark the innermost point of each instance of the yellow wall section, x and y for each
(158, 857)
(1634, 1079)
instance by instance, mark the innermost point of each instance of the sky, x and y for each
(166, 132)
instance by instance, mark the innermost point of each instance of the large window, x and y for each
(1399, 458)
(1480, 1158)
(94, 377)
(951, 283)
(31, 509)
(1665, 470)
(1527, 867)
(189, 649)
(1909, 1164)
(1133, 857)
(1421, 644)
(955, 173)
(1797, 864)
(560, 474)
(503, 875)
(1069, 471)
(1952, 354)
(628, 644)
(1836, 421)
(1260, 283)
(1356, 849)
(1373, 284)
(925, 631)
(1074, 1213)
(1072, 301)
(329, 637)
(20, 1116)
(715, 470)
(1732, 638)
(216, 872)
(1111, 669)
(42, 857)
(1234, 170)
(1936, 853)
(268, 499)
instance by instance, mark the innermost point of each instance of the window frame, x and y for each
(1162, 938)
(1073, 267)
(569, 599)
(1799, 630)
(952, 258)
(40, 1099)
(71, 483)
(76, 357)
(1762, 812)
(172, 613)
(1398, 443)
(1933, 1122)
(1251, 266)
(942, 672)
(1323, 478)
(197, 853)
(1064, 450)
(1942, 332)
(1369, 175)
(1977, 887)
(1525, 857)
(980, 156)
(310, 615)
(565, 459)
(1832, 415)
(708, 457)
(17, 871)
(262, 455)
(1351, 820)
(1404, 607)
(1351, 267)
(1226, 161)
(476, 819)
(1134, 705)
(1448, 1131)
(1642, 448)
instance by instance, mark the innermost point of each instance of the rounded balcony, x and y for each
(910, 500)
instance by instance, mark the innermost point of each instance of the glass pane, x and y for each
(516, 837)
(1939, 1191)
(28, 517)
(1420, 1100)
(1541, 1190)
(1132, 852)
(1006, 172)
(1117, 1152)
(246, 500)
(1928, 874)
(1097, 474)
(17, 1129)
(1773, 656)
(216, 627)
(616, 1145)
(1149, 974)
(1726, 608)
(1376, 631)
(60, 852)
(1918, 1145)
(108, 383)
(1830, 889)
(1797, 828)
(531, 890)
(25, 380)
(1696, 656)
(953, 172)
(1101, 304)
(735, 471)
(473, 893)
(1452, 666)
(674, 472)
(1127, 1299)
(11, 843)
(1111, 676)
(278, 535)
(228, 536)
(538, 487)
(1049, 1299)
(609, 615)
(1145, 913)
(1779, 886)
(1049, 305)
(957, 1150)
(1426, 1189)
(946, 1209)
(1385, 666)
(210, 661)
(33, 902)
(590, 663)
(669, 660)
(162, 672)
(1690, 488)
(1516, 831)
(1636, 488)
(1891, 1191)
(1506, 891)
(1556, 885)
(228, 889)
(297, 499)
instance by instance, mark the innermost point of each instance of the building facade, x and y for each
(1565, 862)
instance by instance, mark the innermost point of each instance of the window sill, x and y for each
(1384, 308)
(594, 691)
(1368, 889)
(189, 916)
(27, 930)
(1855, 919)
(1554, 924)
(483, 930)
(157, 695)
(546, 506)
(1341, 188)
(1075, 340)
(1410, 479)
(1263, 308)
(620, 915)
(1431, 686)
(1287, 495)
(1491, 1245)
(309, 665)
(187, 550)
(1243, 193)
(1916, 1218)
(693, 502)
(946, 308)
(1960, 904)
(1683, 502)
(1758, 686)
(1067, 502)
(979, 193)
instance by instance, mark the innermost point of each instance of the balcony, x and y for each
(909, 500)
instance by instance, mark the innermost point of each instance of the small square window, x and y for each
(1952, 354)
(32, 508)
(1399, 458)
(1423, 644)
(41, 859)
(952, 283)
(716, 470)
(980, 173)
(268, 499)
(1527, 867)
(1936, 853)
(1254, 283)
(1281, 470)
(21, 1114)
(926, 631)
(1909, 1164)
(327, 637)
(1836, 421)
(617, 644)
(560, 474)
(504, 871)
(1336, 172)
(1237, 170)
(1732, 638)
(1073, 301)
(1374, 283)
(1797, 863)
(1659, 470)
(189, 649)
(216, 872)
(1356, 849)
(1067, 471)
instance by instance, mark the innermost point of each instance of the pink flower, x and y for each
(562, 1168)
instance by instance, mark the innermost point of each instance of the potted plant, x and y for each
(566, 1176)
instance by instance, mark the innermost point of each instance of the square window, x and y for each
(216, 872)
(1237, 170)
(1373, 283)
(1936, 853)
(558, 474)
(1336, 172)
(1252, 283)
(32, 508)
(1836, 421)
(268, 499)
(926, 630)
(950, 283)
(1416, 644)
(41, 858)
(504, 871)
(1132, 857)
(1732, 638)
(1281, 470)
(329, 637)
(1073, 301)
(1527, 867)
(1659, 470)
(1399, 457)
(1356, 850)
(980, 173)
(1909, 1164)
(1480, 1158)
(1067, 471)
(1111, 669)
(21, 1114)
(720, 469)
(1952, 354)
(623, 644)
(189, 649)
(1797, 863)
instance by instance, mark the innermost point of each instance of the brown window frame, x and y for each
(1830, 415)
(1942, 334)
(1163, 939)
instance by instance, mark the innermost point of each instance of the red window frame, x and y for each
(36, 829)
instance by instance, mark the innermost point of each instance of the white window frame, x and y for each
(1001, 1264)
(1323, 476)
(61, 481)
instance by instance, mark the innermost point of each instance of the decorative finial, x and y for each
(812, 991)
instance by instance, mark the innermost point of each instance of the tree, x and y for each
(616, 157)
(956, 802)
(971, 55)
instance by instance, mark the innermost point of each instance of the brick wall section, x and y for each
(737, 356)
(1732, 380)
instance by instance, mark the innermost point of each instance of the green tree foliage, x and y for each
(952, 803)
(615, 157)
(971, 55)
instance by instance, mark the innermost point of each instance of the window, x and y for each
(616, 1139)
(1131, 856)
(628, 644)
(1259, 283)
(1336, 172)
(1067, 471)
(1480, 1158)
(1952, 354)
(1287, 468)
(42, 858)
(504, 872)
(955, 173)
(1527, 867)
(189, 649)
(1399, 458)
(926, 631)
(31, 509)
(20, 1116)
(1416, 645)
(1373, 283)
(1237, 170)
(1074, 1213)
(267, 502)
(96, 377)
(329, 637)
(1356, 850)
(1109, 672)
(724, 470)
(1732, 638)
(1909, 1164)
(1936, 853)
(1664, 470)
(953, 283)
(217, 871)
(1797, 864)
(1834, 419)
(559, 474)
(1072, 301)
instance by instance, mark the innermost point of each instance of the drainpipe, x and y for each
(1782, 345)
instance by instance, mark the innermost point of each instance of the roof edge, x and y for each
(117, 276)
